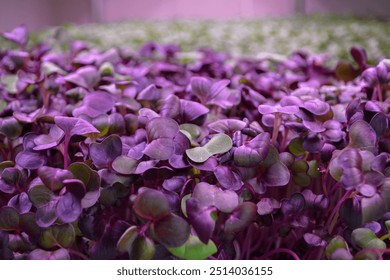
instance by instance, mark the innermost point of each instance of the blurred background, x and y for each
(242, 27)
(39, 14)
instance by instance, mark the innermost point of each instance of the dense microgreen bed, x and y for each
(156, 154)
(315, 34)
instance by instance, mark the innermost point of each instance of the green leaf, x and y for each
(58, 235)
(219, 144)
(336, 243)
(194, 249)
(151, 204)
(39, 254)
(9, 82)
(126, 241)
(183, 204)
(366, 238)
(142, 249)
(40, 195)
(296, 147)
(11, 128)
(84, 173)
(50, 68)
(9, 219)
(171, 231)
(124, 165)
(198, 154)
(362, 135)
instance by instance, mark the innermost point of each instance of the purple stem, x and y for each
(280, 250)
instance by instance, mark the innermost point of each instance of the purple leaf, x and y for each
(68, 208)
(53, 139)
(104, 153)
(201, 219)
(95, 104)
(228, 178)
(18, 35)
(74, 126)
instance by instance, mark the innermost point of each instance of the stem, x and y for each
(280, 250)
(379, 92)
(277, 123)
(66, 153)
(384, 237)
(335, 213)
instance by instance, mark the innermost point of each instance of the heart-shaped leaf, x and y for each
(171, 231)
(9, 218)
(242, 216)
(102, 154)
(68, 208)
(151, 204)
(194, 249)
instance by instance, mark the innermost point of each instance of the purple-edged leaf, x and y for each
(151, 93)
(11, 128)
(242, 216)
(83, 172)
(161, 149)
(86, 77)
(209, 165)
(246, 157)
(201, 87)
(53, 178)
(227, 126)
(360, 56)
(145, 165)
(74, 126)
(18, 35)
(39, 254)
(21, 203)
(151, 204)
(95, 104)
(124, 165)
(9, 218)
(316, 107)
(28, 158)
(362, 135)
(57, 235)
(201, 219)
(379, 123)
(315, 201)
(46, 215)
(170, 107)
(40, 195)
(68, 208)
(175, 183)
(228, 178)
(267, 205)
(294, 205)
(209, 195)
(192, 112)
(53, 139)
(171, 231)
(161, 128)
(314, 240)
(102, 154)
(90, 198)
(276, 175)
(373, 208)
(75, 187)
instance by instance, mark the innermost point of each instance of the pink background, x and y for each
(38, 14)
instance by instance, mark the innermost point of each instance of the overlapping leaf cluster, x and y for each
(115, 155)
